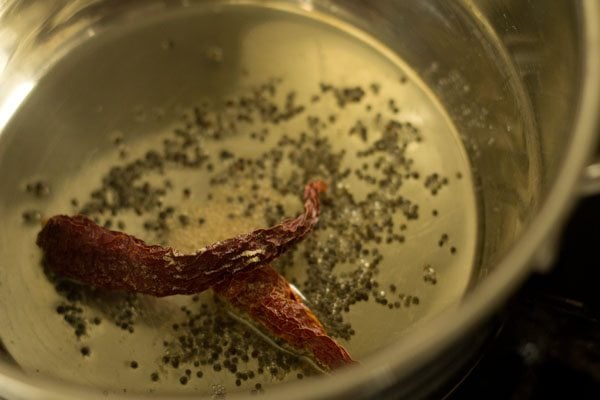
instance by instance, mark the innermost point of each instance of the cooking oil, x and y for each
(242, 106)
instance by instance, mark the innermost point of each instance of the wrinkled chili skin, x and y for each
(267, 298)
(77, 248)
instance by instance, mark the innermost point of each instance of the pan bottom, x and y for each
(184, 133)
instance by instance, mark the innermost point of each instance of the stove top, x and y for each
(549, 344)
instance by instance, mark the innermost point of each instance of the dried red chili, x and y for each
(267, 298)
(77, 248)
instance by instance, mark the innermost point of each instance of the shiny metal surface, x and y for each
(503, 71)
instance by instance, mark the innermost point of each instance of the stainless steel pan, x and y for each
(497, 102)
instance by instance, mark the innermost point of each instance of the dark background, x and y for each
(548, 346)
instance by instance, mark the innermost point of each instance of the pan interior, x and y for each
(205, 123)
